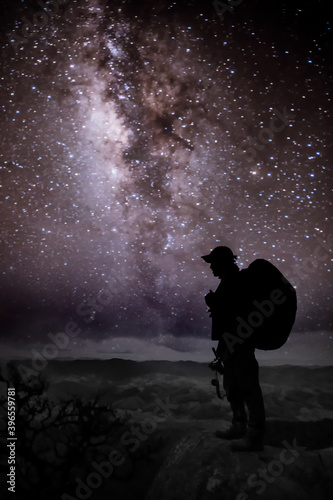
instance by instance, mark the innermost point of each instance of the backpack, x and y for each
(269, 305)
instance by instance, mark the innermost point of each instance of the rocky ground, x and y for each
(164, 445)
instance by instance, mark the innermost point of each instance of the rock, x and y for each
(130, 403)
(203, 467)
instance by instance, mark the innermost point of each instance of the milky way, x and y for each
(138, 136)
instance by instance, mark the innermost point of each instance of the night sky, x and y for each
(137, 136)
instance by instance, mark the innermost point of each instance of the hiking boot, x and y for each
(252, 441)
(235, 431)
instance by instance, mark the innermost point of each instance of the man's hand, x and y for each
(217, 366)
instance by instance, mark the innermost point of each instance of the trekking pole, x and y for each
(217, 366)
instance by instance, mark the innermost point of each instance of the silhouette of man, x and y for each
(241, 371)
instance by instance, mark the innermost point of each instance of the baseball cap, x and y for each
(219, 253)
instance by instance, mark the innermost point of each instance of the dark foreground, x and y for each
(120, 429)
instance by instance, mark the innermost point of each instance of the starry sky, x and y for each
(136, 137)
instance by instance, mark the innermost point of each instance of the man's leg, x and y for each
(234, 396)
(247, 374)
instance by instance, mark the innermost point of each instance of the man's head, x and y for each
(221, 260)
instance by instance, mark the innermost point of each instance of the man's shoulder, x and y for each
(244, 276)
